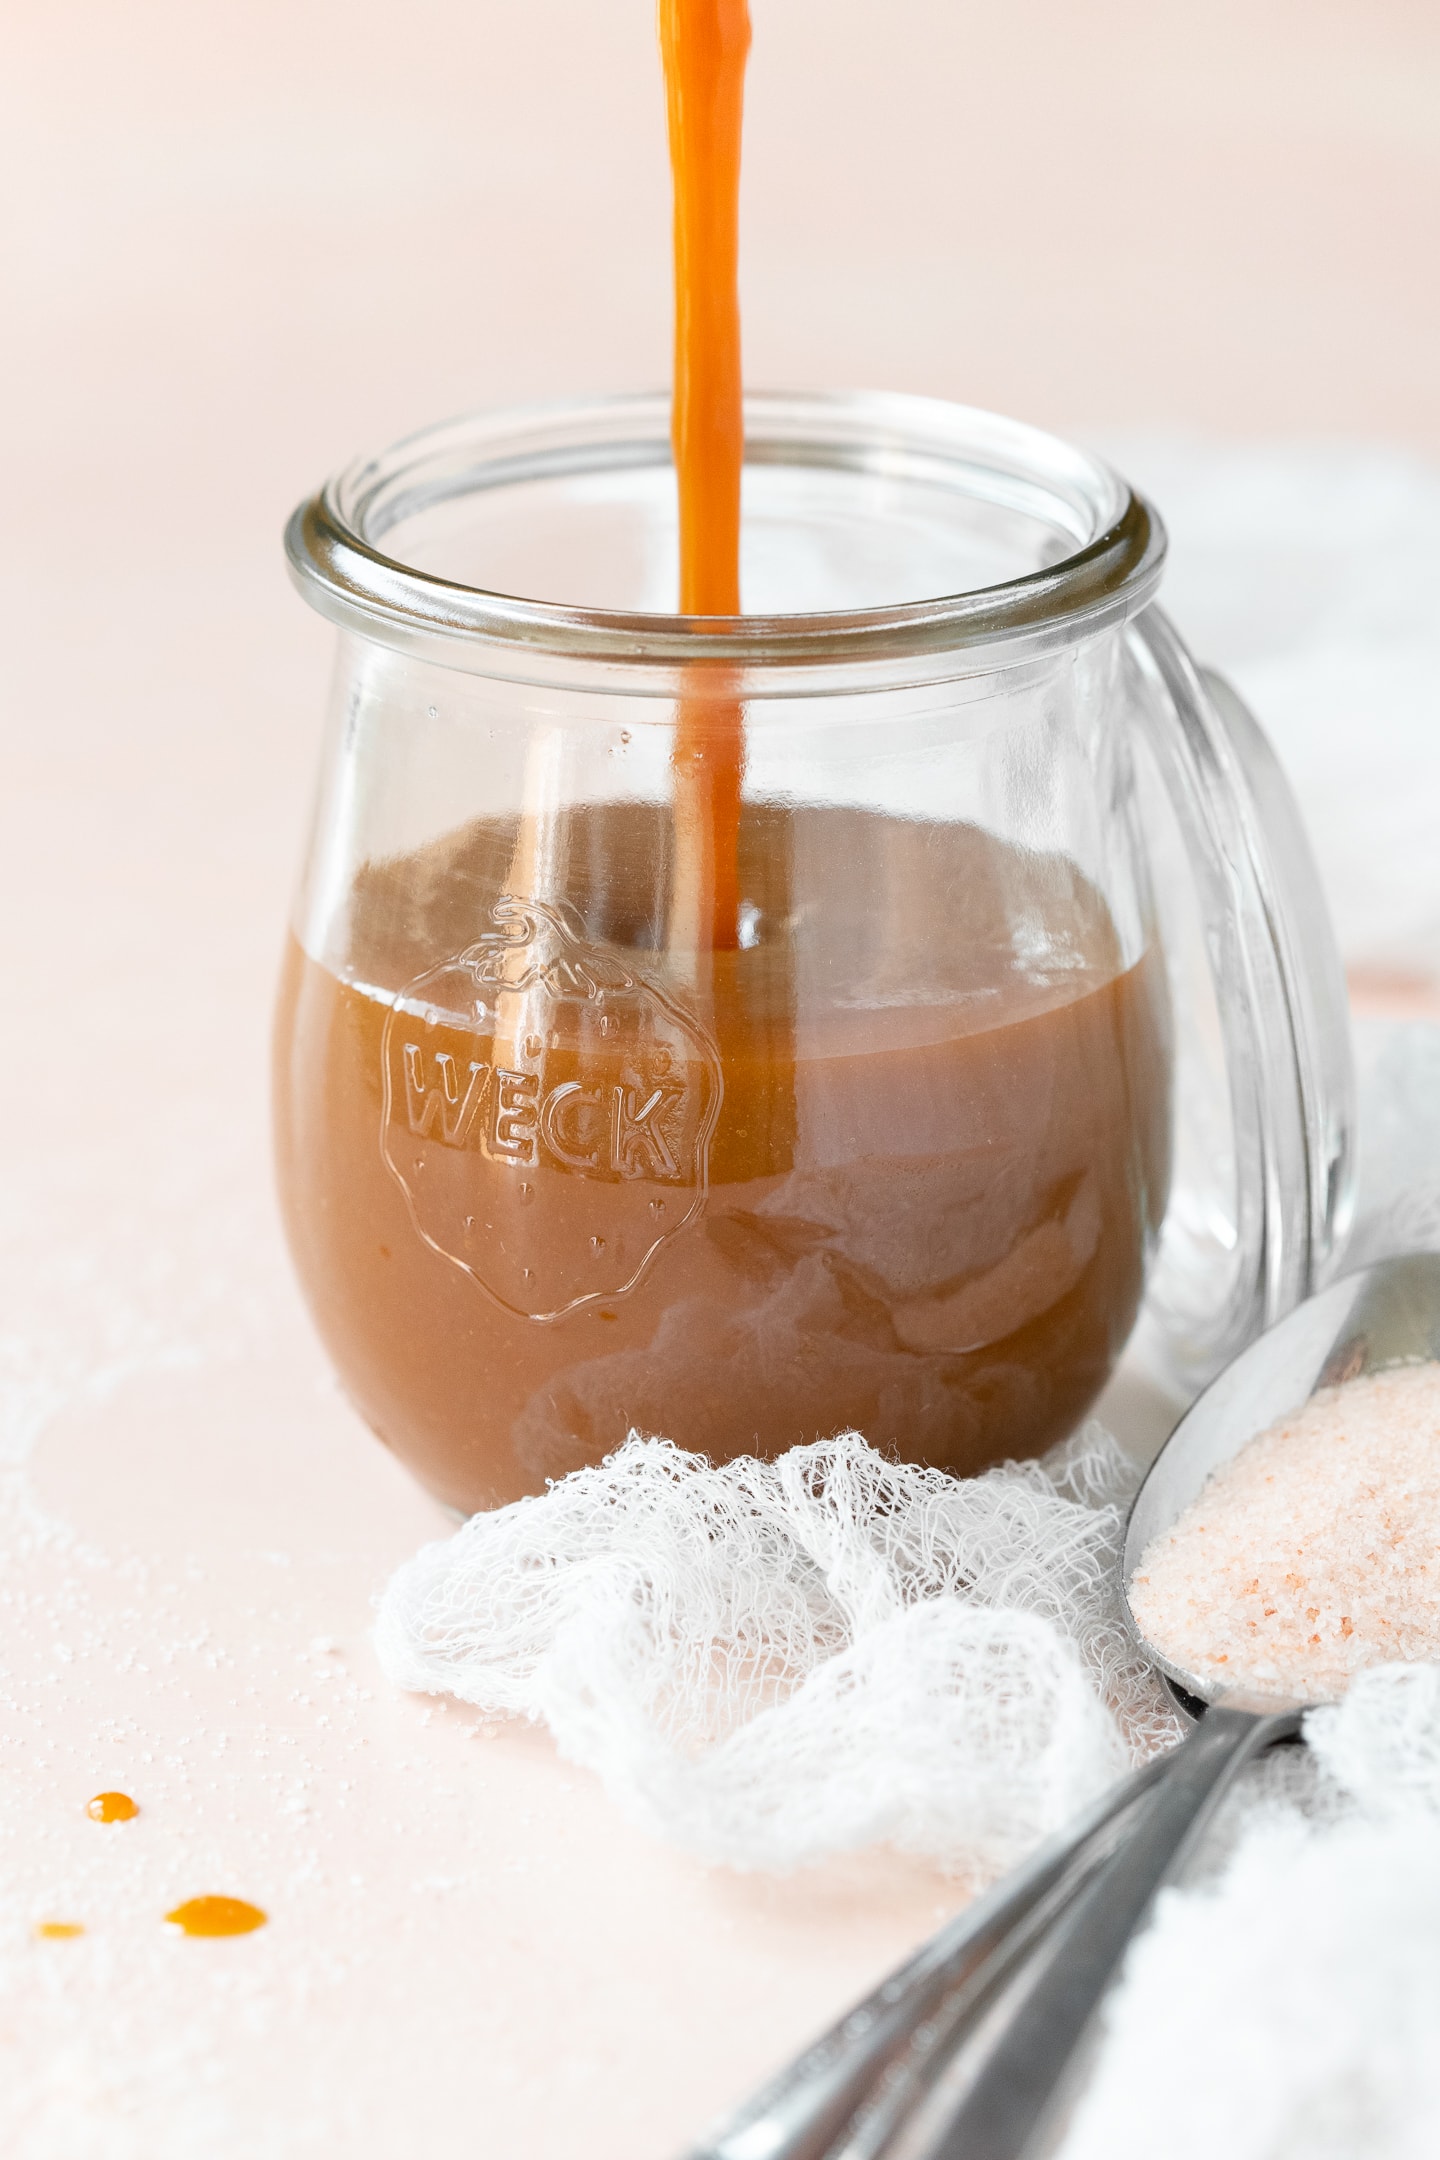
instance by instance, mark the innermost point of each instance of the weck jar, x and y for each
(1032, 1017)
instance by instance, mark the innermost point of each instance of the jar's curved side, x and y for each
(1263, 1218)
(1313, 977)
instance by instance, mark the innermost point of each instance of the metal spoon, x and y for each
(1384, 1315)
(801, 2112)
(1014, 1982)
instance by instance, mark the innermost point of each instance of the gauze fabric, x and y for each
(772, 1662)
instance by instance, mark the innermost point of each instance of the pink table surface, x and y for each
(243, 242)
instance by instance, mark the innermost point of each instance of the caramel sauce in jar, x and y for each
(881, 1179)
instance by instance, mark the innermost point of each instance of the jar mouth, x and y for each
(1091, 555)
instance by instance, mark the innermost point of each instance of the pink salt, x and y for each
(1315, 1552)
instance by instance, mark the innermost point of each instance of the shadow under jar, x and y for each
(900, 1161)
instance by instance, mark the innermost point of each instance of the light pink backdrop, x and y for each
(242, 242)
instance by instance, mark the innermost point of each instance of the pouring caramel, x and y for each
(705, 45)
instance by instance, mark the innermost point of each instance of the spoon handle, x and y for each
(1004, 2103)
(802, 2111)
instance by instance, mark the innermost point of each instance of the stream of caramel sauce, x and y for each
(705, 45)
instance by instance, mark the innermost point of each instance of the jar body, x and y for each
(894, 1153)
(894, 1164)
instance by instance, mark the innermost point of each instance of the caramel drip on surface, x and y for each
(58, 1930)
(216, 1916)
(705, 45)
(112, 1807)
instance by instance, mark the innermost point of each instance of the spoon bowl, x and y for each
(1384, 1315)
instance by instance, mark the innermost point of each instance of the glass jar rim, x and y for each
(333, 540)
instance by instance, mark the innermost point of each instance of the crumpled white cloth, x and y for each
(772, 1662)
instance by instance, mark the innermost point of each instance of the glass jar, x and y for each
(1031, 1014)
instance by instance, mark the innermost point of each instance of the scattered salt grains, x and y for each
(1314, 1553)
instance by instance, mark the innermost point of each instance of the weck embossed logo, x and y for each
(547, 1112)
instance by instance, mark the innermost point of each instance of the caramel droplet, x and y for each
(111, 1807)
(58, 1930)
(216, 1916)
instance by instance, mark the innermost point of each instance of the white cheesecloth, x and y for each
(769, 1662)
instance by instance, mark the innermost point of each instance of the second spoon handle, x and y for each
(800, 2113)
(1005, 2103)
